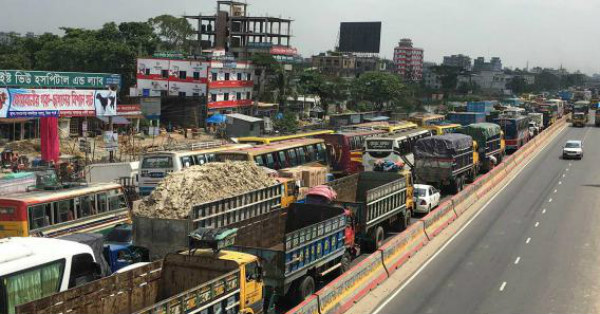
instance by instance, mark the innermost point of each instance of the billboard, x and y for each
(360, 37)
(35, 103)
(43, 79)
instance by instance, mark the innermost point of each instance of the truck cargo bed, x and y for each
(162, 236)
(289, 242)
(159, 286)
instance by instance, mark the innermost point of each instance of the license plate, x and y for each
(156, 175)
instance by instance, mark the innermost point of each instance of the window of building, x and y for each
(196, 75)
(227, 76)
(249, 76)
(238, 95)
(225, 96)
(164, 73)
(214, 76)
(248, 95)
(183, 75)
(196, 94)
(239, 76)
(181, 94)
(147, 71)
(213, 97)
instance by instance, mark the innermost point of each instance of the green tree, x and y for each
(547, 81)
(518, 85)
(448, 76)
(174, 32)
(267, 65)
(379, 88)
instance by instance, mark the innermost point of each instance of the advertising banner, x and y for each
(43, 79)
(35, 103)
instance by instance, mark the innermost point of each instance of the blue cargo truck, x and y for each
(466, 118)
(296, 247)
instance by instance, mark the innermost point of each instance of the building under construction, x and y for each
(232, 30)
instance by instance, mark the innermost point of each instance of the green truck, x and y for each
(377, 200)
(490, 143)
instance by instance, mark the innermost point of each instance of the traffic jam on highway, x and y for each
(259, 224)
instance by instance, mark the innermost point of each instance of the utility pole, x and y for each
(111, 157)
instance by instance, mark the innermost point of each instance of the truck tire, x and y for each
(345, 263)
(305, 288)
(377, 237)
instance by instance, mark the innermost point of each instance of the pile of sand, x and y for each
(175, 195)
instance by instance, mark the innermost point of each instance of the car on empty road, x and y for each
(573, 149)
(427, 197)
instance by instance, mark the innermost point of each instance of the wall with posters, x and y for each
(35, 103)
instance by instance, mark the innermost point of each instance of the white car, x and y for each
(426, 198)
(573, 149)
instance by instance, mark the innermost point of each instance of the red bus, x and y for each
(345, 149)
(51, 213)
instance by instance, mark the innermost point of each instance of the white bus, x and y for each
(392, 147)
(33, 268)
(155, 166)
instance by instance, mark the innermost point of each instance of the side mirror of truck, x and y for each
(259, 273)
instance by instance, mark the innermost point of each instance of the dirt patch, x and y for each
(176, 194)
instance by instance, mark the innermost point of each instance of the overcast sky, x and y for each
(546, 33)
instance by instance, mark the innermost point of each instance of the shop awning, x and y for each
(115, 120)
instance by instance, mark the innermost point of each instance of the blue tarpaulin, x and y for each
(216, 118)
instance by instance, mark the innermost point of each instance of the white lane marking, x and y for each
(517, 260)
(564, 175)
(559, 182)
(567, 169)
(543, 211)
(537, 223)
(502, 286)
(570, 164)
(481, 210)
(550, 201)
(555, 190)
(527, 241)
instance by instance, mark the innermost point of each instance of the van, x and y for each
(33, 268)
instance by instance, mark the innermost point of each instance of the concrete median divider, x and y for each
(339, 295)
(400, 248)
(438, 219)
(309, 306)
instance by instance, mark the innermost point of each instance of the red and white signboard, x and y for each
(33, 103)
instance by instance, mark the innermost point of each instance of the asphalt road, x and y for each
(534, 249)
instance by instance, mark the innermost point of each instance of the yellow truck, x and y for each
(194, 281)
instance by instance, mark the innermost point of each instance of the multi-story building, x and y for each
(408, 60)
(460, 61)
(430, 78)
(348, 65)
(495, 65)
(222, 83)
(233, 30)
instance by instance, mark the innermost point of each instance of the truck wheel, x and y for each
(377, 238)
(306, 288)
(345, 263)
(462, 183)
(407, 218)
